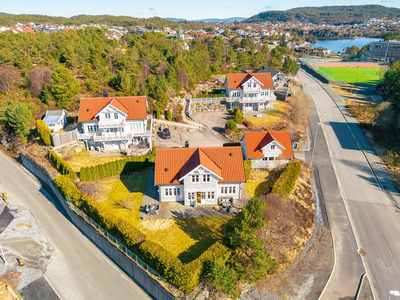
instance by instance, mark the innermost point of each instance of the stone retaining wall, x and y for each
(208, 106)
(174, 126)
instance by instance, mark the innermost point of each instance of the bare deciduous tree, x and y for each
(6, 79)
(282, 225)
(183, 78)
(39, 77)
(162, 68)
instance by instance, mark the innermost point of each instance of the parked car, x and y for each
(166, 134)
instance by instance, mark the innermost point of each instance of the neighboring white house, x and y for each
(249, 91)
(115, 123)
(55, 119)
(199, 175)
(276, 75)
(267, 149)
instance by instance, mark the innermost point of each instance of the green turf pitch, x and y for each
(371, 76)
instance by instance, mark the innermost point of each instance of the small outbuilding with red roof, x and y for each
(267, 149)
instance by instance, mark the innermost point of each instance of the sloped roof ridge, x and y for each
(116, 99)
(210, 158)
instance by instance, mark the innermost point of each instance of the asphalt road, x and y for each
(77, 269)
(372, 218)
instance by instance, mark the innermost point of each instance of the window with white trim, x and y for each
(254, 85)
(206, 178)
(172, 192)
(136, 126)
(271, 158)
(195, 178)
(203, 195)
(191, 196)
(272, 147)
(210, 195)
(249, 84)
(107, 116)
(93, 128)
(116, 116)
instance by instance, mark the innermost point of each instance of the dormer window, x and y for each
(272, 147)
(116, 116)
(107, 116)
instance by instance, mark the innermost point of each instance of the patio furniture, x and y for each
(231, 209)
(153, 209)
(147, 209)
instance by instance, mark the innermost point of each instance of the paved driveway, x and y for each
(209, 136)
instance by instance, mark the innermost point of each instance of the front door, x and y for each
(198, 197)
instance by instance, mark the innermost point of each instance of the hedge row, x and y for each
(184, 276)
(247, 168)
(61, 165)
(90, 206)
(117, 167)
(285, 184)
(44, 132)
(231, 144)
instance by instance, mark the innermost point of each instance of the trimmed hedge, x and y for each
(184, 276)
(44, 132)
(231, 144)
(61, 165)
(118, 167)
(90, 206)
(247, 168)
(285, 184)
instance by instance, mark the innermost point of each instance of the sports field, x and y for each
(361, 75)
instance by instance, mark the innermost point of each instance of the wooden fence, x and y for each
(64, 138)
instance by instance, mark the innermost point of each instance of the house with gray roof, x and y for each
(55, 119)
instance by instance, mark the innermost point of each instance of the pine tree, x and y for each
(63, 87)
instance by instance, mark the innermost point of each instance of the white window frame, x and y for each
(107, 116)
(272, 147)
(206, 178)
(254, 85)
(249, 84)
(195, 178)
(136, 126)
(116, 116)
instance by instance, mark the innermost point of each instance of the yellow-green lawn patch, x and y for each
(272, 116)
(83, 159)
(260, 181)
(186, 238)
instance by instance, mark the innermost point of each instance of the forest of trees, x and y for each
(52, 69)
(328, 14)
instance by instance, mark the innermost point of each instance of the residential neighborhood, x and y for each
(150, 153)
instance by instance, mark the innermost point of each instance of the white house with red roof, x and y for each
(267, 149)
(199, 175)
(115, 123)
(249, 91)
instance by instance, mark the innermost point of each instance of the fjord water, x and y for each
(338, 45)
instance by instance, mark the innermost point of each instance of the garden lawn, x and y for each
(83, 159)
(370, 76)
(185, 238)
(260, 181)
(274, 116)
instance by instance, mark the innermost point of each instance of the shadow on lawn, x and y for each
(203, 231)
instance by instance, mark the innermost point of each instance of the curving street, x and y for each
(363, 216)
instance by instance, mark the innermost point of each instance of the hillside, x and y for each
(6, 20)
(328, 14)
(227, 20)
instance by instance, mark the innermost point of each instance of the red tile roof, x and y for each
(256, 140)
(134, 107)
(235, 80)
(173, 163)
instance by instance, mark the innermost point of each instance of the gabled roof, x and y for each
(256, 140)
(172, 163)
(266, 69)
(199, 158)
(235, 80)
(134, 107)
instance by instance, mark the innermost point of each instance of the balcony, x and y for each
(112, 124)
(111, 136)
(251, 99)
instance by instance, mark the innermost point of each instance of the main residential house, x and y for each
(267, 149)
(199, 175)
(249, 91)
(115, 123)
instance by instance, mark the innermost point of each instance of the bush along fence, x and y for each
(285, 184)
(109, 228)
(44, 132)
(118, 167)
(61, 165)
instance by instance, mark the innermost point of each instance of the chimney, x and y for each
(105, 94)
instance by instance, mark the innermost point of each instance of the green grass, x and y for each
(260, 181)
(185, 238)
(353, 75)
(83, 159)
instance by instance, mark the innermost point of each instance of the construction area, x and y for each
(24, 256)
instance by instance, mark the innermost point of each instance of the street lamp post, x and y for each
(315, 141)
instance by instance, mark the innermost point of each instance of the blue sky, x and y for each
(186, 9)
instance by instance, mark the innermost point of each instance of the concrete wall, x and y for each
(136, 273)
